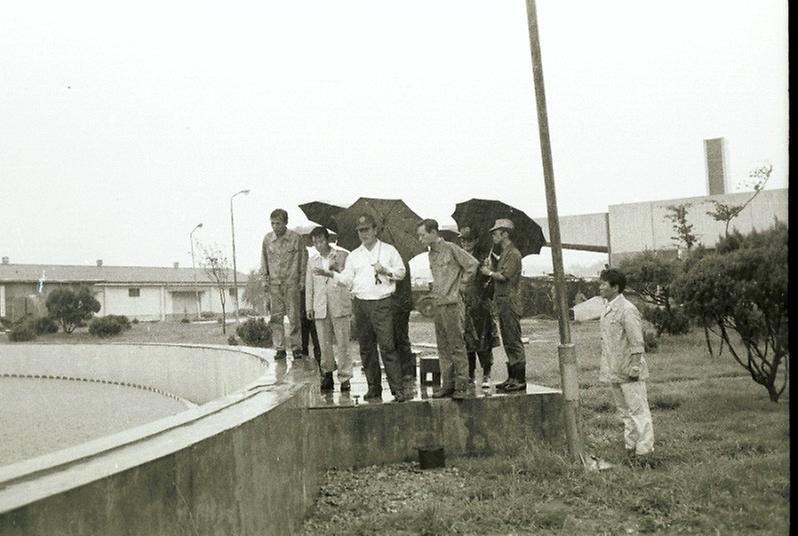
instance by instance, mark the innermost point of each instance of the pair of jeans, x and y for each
(375, 328)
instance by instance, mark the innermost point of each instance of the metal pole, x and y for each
(235, 271)
(194, 269)
(566, 350)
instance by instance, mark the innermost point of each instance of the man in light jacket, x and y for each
(623, 365)
(330, 306)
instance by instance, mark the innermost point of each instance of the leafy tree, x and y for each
(741, 289)
(71, 307)
(255, 292)
(650, 274)
(726, 213)
(217, 266)
(684, 230)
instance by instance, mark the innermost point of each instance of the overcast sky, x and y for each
(123, 125)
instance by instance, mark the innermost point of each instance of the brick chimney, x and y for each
(715, 155)
(99, 263)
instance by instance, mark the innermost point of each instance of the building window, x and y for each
(134, 292)
(232, 292)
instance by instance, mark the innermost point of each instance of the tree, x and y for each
(726, 213)
(69, 307)
(684, 231)
(255, 292)
(217, 266)
(741, 289)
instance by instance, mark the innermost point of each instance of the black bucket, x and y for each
(431, 458)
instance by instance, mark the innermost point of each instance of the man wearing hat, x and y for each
(371, 273)
(507, 296)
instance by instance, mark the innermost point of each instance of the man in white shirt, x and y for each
(330, 307)
(371, 273)
(623, 365)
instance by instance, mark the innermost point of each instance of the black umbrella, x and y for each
(396, 225)
(483, 213)
(449, 235)
(321, 213)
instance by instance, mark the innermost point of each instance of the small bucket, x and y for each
(431, 458)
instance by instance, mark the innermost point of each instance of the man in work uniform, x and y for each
(623, 365)
(452, 269)
(481, 335)
(284, 261)
(507, 296)
(371, 272)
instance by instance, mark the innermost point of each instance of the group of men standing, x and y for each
(373, 282)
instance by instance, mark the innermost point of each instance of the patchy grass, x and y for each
(721, 464)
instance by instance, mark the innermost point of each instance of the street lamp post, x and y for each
(194, 268)
(235, 271)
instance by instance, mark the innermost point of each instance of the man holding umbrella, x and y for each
(371, 272)
(452, 269)
(507, 295)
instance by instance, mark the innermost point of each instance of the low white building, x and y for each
(142, 292)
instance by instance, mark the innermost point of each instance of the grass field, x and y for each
(721, 464)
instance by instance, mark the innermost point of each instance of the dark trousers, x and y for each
(485, 361)
(375, 328)
(510, 328)
(401, 334)
(309, 332)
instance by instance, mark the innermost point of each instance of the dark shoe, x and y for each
(327, 382)
(501, 386)
(280, 354)
(442, 393)
(346, 386)
(462, 394)
(372, 394)
(515, 386)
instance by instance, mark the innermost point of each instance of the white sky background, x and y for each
(124, 125)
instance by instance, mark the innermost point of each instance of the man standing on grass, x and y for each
(452, 270)
(284, 261)
(507, 296)
(371, 272)
(330, 307)
(623, 365)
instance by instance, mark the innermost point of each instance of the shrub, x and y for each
(122, 319)
(22, 332)
(742, 288)
(71, 308)
(651, 341)
(232, 341)
(44, 325)
(208, 315)
(255, 332)
(185, 320)
(134, 321)
(106, 326)
(247, 312)
(674, 321)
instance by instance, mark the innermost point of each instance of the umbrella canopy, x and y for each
(396, 225)
(321, 213)
(449, 235)
(483, 213)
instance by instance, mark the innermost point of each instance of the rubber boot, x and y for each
(501, 386)
(518, 383)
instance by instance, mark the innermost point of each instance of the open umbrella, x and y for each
(396, 225)
(483, 213)
(321, 213)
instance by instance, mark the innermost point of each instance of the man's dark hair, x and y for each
(429, 225)
(614, 277)
(320, 231)
(279, 213)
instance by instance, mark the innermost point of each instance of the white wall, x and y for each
(147, 306)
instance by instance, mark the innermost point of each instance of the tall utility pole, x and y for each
(194, 269)
(566, 350)
(235, 271)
